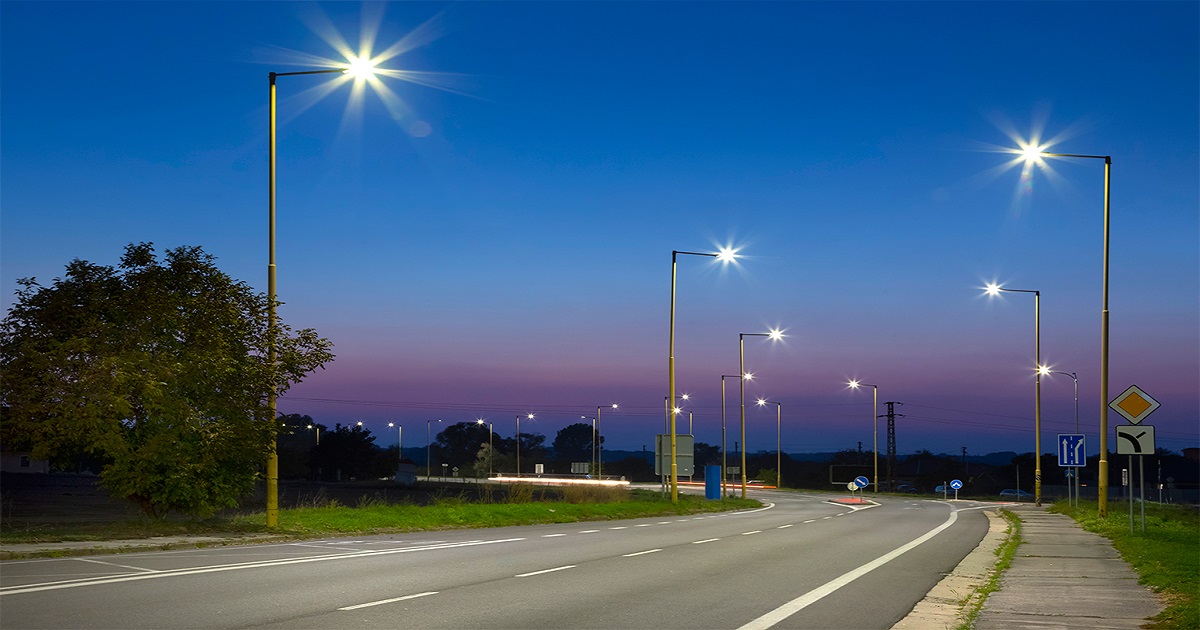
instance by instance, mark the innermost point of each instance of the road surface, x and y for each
(799, 562)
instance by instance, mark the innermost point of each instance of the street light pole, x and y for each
(1039, 369)
(725, 255)
(428, 449)
(399, 442)
(762, 402)
(723, 449)
(360, 69)
(775, 335)
(1032, 154)
(600, 440)
(530, 416)
(1075, 380)
(875, 424)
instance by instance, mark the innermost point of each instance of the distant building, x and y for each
(11, 462)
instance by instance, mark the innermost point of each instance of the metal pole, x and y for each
(724, 492)
(1037, 416)
(778, 443)
(875, 407)
(518, 446)
(671, 388)
(1102, 502)
(1142, 488)
(273, 456)
(742, 403)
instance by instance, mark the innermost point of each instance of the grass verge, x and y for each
(377, 517)
(1166, 556)
(973, 604)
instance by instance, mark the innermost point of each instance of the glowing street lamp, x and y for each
(600, 442)
(1033, 155)
(725, 255)
(775, 334)
(1075, 379)
(762, 402)
(481, 422)
(854, 384)
(530, 416)
(318, 429)
(360, 70)
(723, 448)
(399, 441)
(1039, 369)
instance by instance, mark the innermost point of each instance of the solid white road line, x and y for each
(387, 601)
(569, 566)
(642, 553)
(804, 601)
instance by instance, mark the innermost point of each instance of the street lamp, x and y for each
(318, 429)
(600, 443)
(778, 439)
(723, 377)
(481, 422)
(775, 335)
(995, 290)
(428, 449)
(1033, 155)
(530, 416)
(1075, 379)
(360, 70)
(725, 255)
(854, 384)
(399, 441)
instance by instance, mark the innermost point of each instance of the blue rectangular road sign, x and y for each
(1071, 450)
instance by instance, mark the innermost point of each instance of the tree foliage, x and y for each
(159, 367)
(573, 443)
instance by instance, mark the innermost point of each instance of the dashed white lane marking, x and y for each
(642, 553)
(811, 520)
(388, 601)
(588, 531)
(113, 564)
(706, 540)
(531, 573)
(552, 535)
(663, 523)
(783, 527)
(621, 527)
(643, 525)
(757, 531)
(826, 518)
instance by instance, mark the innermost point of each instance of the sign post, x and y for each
(1135, 438)
(956, 484)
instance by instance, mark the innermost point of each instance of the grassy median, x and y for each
(521, 504)
(1166, 556)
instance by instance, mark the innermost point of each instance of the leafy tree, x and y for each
(158, 367)
(350, 453)
(573, 443)
(458, 444)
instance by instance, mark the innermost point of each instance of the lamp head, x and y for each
(359, 423)
(361, 68)
(762, 402)
(853, 384)
(749, 376)
(1031, 153)
(1043, 370)
(992, 289)
(686, 396)
(615, 406)
(775, 334)
(727, 254)
(530, 416)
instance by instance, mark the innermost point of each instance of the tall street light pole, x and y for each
(600, 440)
(774, 335)
(530, 416)
(428, 449)
(1075, 380)
(1039, 369)
(359, 70)
(1034, 154)
(762, 402)
(723, 448)
(725, 255)
(399, 441)
(875, 424)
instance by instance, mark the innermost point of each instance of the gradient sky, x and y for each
(494, 236)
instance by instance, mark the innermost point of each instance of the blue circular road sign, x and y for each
(861, 482)
(956, 484)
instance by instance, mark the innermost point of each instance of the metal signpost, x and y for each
(1135, 438)
(860, 482)
(1072, 455)
(957, 485)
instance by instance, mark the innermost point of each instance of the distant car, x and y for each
(906, 488)
(943, 490)
(1016, 495)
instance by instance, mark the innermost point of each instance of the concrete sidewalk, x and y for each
(1065, 577)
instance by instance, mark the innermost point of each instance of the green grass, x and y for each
(973, 604)
(520, 507)
(1166, 556)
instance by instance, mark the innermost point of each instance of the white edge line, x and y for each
(388, 601)
(800, 603)
(569, 566)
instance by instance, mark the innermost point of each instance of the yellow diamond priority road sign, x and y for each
(1134, 404)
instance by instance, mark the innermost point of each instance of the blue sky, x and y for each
(496, 237)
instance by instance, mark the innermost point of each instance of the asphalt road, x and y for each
(801, 562)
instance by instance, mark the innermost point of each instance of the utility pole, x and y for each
(966, 471)
(891, 441)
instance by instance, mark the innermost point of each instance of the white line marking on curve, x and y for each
(811, 520)
(113, 564)
(569, 566)
(621, 527)
(388, 601)
(642, 553)
(800, 603)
